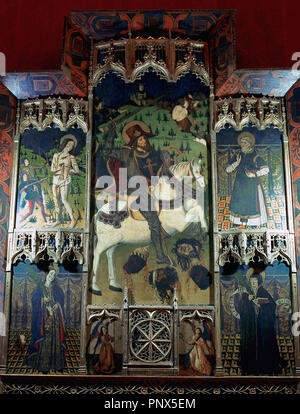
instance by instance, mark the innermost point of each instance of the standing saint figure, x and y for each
(47, 347)
(63, 166)
(259, 352)
(32, 188)
(247, 202)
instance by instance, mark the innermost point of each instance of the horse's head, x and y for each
(196, 170)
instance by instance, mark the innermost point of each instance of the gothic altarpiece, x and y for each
(198, 290)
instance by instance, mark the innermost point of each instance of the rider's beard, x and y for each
(144, 147)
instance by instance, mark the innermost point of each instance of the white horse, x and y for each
(137, 232)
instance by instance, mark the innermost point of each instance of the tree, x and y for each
(79, 215)
(50, 205)
(171, 133)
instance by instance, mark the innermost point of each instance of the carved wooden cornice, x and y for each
(238, 113)
(244, 246)
(61, 113)
(33, 245)
(131, 58)
(102, 312)
(192, 313)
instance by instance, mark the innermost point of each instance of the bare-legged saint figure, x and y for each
(63, 166)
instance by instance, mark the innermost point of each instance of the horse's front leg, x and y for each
(195, 215)
(94, 288)
(113, 285)
(103, 243)
(202, 220)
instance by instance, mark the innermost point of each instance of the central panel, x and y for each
(150, 235)
(151, 215)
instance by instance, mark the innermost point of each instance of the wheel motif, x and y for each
(150, 336)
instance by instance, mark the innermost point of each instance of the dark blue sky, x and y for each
(43, 141)
(116, 93)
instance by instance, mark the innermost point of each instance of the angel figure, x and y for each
(106, 361)
(199, 358)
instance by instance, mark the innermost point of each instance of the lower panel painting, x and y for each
(45, 319)
(256, 309)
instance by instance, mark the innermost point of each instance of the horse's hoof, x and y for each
(115, 289)
(95, 292)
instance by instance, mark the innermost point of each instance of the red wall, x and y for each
(267, 31)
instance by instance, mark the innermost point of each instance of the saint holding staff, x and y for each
(247, 203)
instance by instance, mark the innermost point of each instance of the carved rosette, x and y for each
(54, 112)
(238, 113)
(150, 336)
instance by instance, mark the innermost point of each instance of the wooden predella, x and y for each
(199, 293)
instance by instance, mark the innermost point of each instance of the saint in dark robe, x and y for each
(247, 202)
(47, 346)
(259, 353)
